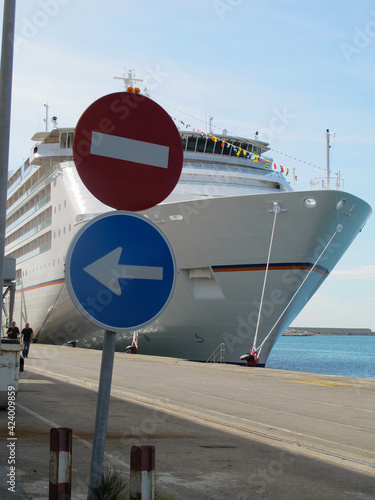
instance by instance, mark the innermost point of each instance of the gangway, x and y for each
(218, 356)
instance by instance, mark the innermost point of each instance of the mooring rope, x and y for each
(276, 209)
(295, 293)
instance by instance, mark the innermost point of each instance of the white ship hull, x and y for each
(222, 240)
(221, 251)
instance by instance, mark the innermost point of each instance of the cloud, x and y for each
(357, 273)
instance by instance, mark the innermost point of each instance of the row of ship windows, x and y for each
(59, 232)
(40, 244)
(207, 145)
(16, 178)
(29, 185)
(231, 168)
(24, 273)
(55, 208)
(35, 225)
(32, 205)
(33, 248)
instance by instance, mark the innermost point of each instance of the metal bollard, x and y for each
(60, 464)
(142, 473)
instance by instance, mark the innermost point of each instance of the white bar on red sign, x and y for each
(121, 148)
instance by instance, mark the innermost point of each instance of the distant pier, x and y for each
(307, 331)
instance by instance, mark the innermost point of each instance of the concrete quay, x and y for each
(220, 432)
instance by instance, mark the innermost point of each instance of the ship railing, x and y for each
(38, 186)
(227, 168)
(321, 183)
(17, 177)
(218, 356)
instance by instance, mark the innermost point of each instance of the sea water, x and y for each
(347, 355)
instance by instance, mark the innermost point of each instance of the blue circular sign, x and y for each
(120, 271)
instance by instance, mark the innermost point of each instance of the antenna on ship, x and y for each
(328, 172)
(129, 83)
(46, 118)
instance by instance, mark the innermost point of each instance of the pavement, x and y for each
(219, 431)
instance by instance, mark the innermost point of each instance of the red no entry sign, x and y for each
(128, 151)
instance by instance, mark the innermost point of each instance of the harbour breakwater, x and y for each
(307, 331)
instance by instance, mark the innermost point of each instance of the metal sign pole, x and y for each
(102, 408)
(5, 103)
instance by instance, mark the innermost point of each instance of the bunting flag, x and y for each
(237, 150)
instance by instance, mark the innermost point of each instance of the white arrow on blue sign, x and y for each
(120, 271)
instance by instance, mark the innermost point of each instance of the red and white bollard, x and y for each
(60, 464)
(142, 473)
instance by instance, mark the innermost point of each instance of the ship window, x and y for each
(226, 149)
(201, 144)
(191, 143)
(66, 140)
(210, 146)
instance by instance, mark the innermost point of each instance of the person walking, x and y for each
(27, 335)
(13, 331)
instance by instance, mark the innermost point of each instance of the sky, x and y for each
(289, 69)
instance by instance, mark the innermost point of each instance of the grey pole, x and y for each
(102, 408)
(5, 104)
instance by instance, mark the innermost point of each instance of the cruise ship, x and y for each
(250, 251)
